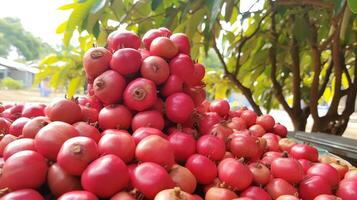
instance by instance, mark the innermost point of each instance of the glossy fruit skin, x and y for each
(183, 144)
(6, 140)
(220, 193)
(64, 110)
(123, 39)
(119, 144)
(211, 147)
(32, 127)
(155, 149)
(173, 194)
(327, 197)
(288, 169)
(109, 86)
(249, 117)
(23, 194)
(207, 121)
(182, 42)
(306, 164)
(326, 171)
(280, 130)
(17, 126)
(278, 187)
(115, 116)
(163, 47)
(126, 61)
(90, 101)
(60, 182)
(230, 168)
(50, 138)
(144, 132)
(196, 163)
(261, 173)
(89, 114)
(123, 196)
(287, 197)
(151, 118)
(179, 107)
(257, 130)
(285, 144)
(266, 121)
(140, 94)
(105, 176)
(172, 85)
(76, 154)
(4, 126)
(237, 124)
(182, 66)
(150, 35)
(255, 193)
(31, 111)
(183, 178)
(303, 151)
(341, 168)
(221, 131)
(243, 146)
(24, 170)
(351, 174)
(347, 190)
(87, 130)
(80, 195)
(165, 31)
(17, 146)
(156, 69)
(96, 61)
(313, 186)
(220, 106)
(150, 178)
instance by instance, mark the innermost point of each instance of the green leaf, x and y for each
(68, 6)
(74, 84)
(62, 27)
(76, 19)
(155, 4)
(118, 8)
(229, 10)
(301, 29)
(94, 15)
(353, 5)
(338, 5)
(215, 9)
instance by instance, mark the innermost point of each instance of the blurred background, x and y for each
(293, 59)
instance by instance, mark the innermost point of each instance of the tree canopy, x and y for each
(12, 34)
(283, 53)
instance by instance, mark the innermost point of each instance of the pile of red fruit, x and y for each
(145, 131)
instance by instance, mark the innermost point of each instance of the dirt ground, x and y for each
(33, 96)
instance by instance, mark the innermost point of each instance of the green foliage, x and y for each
(65, 69)
(353, 5)
(13, 34)
(11, 84)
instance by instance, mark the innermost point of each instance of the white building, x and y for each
(17, 71)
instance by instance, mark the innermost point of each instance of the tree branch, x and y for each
(351, 96)
(317, 3)
(246, 91)
(244, 40)
(337, 62)
(316, 56)
(326, 79)
(294, 51)
(272, 56)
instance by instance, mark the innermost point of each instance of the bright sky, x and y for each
(40, 17)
